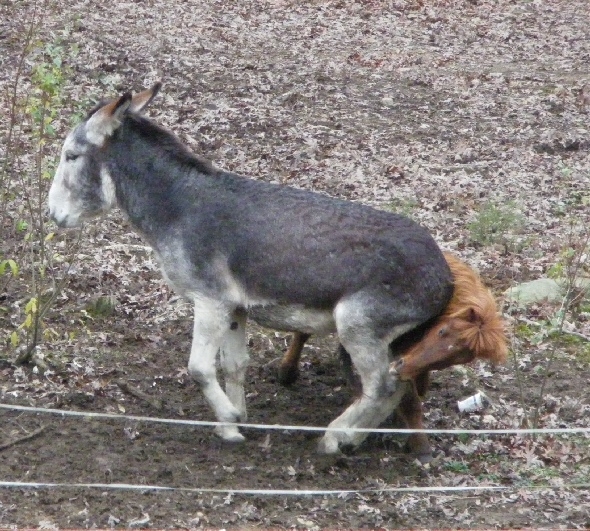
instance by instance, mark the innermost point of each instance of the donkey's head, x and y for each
(82, 187)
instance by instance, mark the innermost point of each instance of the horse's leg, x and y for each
(234, 361)
(289, 367)
(422, 383)
(289, 372)
(212, 322)
(360, 336)
(410, 411)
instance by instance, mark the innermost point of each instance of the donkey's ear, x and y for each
(104, 122)
(143, 99)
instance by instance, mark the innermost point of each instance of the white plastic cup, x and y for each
(474, 403)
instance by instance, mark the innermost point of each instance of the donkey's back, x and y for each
(284, 245)
(293, 259)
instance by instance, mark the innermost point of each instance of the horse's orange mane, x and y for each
(475, 306)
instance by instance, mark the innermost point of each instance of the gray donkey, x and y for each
(290, 259)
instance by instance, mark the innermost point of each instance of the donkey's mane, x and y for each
(485, 334)
(164, 139)
(167, 142)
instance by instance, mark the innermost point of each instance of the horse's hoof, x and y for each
(288, 375)
(418, 447)
(425, 458)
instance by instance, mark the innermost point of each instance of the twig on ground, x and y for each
(125, 387)
(26, 437)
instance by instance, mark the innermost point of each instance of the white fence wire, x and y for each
(281, 427)
(293, 492)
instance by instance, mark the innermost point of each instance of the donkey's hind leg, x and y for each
(380, 392)
(212, 322)
(234, 361)
(380, 396)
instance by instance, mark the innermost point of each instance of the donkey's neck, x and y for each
(155, 177)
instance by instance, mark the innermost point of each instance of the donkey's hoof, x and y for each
(230, 434)
(288, 375)
(328, 445)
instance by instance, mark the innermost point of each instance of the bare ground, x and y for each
(432, 108)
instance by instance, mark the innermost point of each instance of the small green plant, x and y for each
(31, 262)
(496, 224)
(458, 467)
(569, 271)
(402, 206)
(489, 477)
(102, 307)
(8, 266)
(464, 438)
(524, 330)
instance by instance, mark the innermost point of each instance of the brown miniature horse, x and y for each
(470, 328)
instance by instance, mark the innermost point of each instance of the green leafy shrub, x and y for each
(496, 224)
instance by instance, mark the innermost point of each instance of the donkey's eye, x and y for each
(71, 156)
(443, 332)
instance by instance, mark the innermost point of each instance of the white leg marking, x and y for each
(234, 361)
(381, 392)
(366, 412)
(212, 321)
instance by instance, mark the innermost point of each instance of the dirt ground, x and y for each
(432, 108)
(78, 450)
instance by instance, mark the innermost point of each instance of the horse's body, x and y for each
(295, 260)
(469, 328)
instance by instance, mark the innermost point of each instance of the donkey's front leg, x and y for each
(212, 322)
(234, 361)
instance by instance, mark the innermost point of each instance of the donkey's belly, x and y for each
(294, 319)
